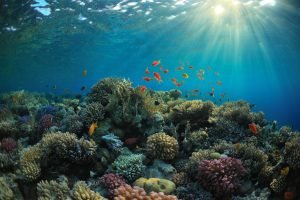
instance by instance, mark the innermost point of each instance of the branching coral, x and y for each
(130, 166)
(30, 163)
(292, 153)
(221, 176)
(52, 190)
(197, 137)
(72, 124)
(126, 192)
(6, 192)
(8, 144)
(196, 112)
(82, 192)
(94, 112)
(112, 181)
(162, 146)
(279, 184)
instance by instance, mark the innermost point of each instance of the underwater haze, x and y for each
(149, 99)
(254, 45)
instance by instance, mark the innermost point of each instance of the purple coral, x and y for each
(112, 181)
(221, 176)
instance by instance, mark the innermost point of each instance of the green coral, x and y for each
(6, 193)
(129, 165)
(162, 146)
(52, 190)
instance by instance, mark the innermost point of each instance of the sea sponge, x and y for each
(292, 153)
(162, 146)
(221, 176)
(112, 181)
(82, 192)
(156, 185)
(196, 112)
(130, 166)
(5, 191)
(30, 163)
(127, 192)
(52, 190)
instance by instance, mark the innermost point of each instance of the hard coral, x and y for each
(162, 146)
(5, 191)
(156, 185)
(221, 176)
(126, 192)
(112, 181)
(48, 190)
(8, 144)
(292, 153)
(30, 163)
(46, 122)
(82, 192)
(94, 112)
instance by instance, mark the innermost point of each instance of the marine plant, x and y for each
(221, 176)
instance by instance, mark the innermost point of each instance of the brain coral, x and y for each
(162, 146)
(221, 176)
(156, 185)
(126, 192)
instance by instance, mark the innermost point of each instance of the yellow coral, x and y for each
(162, 146)
(5, 192)
(52, 190)
(82, 192)
(29, 163)
(156, 185)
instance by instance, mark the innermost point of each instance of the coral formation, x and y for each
(221, 176)
(126, 192)
(112, 181)
(162, 146)
(5, 191)
(48, 190)
(156, 185)
(292, 153)
(82, 192)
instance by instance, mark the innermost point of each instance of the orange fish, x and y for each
(157, 77)
(143, 88)
(147, 71)
(155, 62)
(253, 128)
(178, 84)
(166, 71)
(92, 128)
(174, 80)
(146, 78)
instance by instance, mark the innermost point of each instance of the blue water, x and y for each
(254, 45)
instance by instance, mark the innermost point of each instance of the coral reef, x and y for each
(112, 181)
(292, 153)
(47, 190)
(6, 192)
(126, 192)
(82, 192)
(156, 185)
(221, 176)
(162, 146)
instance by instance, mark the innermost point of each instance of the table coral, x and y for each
(162, 146)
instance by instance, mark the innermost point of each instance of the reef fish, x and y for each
(147, 71)
(166, 71)
(146, 78)
(84, 72)
(289, 195)
(83, 88)
(155, 62)
(185, 75)
(92, 128)
(143, 88)
(219, 82)
(157, 77)
(253, 128)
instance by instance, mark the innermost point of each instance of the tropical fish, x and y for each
(178, 84)
(195, 91)
(92, 128)
(155, 62)
(146, 78)
(83, 88)
(147, 71)
(54, 87)
(84, 72)
(166, 71)
(143, 88)
(253, 128)
(157, 76)
(174, 80)
(191, 67)
(185, 75)
(285, 171)
(212, 93)
(223, 95)
(156, 103)
(180, 68)
(219, 82)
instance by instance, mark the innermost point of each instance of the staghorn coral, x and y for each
(196, 112)
(112, 181)
(162, 146)
(6, 192)
(52, 190)
(127, 192)
(82, 192)
(130, 166)
(221, 176)
(292, 153)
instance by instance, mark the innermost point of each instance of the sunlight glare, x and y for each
(219, 10)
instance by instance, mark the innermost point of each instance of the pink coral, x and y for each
(221, 176)
(112, 181)
(126, 192)
(8, 144)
